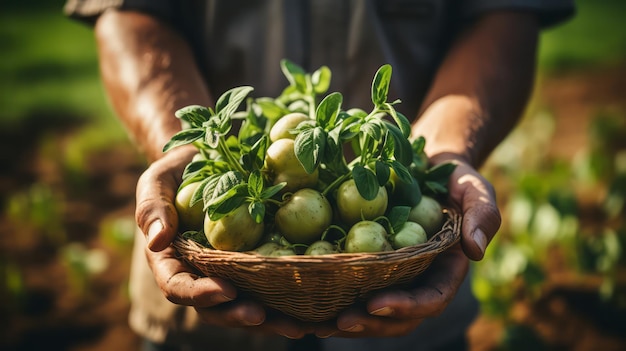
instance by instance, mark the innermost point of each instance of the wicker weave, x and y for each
(317, 288)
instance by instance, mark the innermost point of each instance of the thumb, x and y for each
(156, 189)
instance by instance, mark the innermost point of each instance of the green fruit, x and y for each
(429, 214)
(367, 236)
(352, 207)
(236, 231)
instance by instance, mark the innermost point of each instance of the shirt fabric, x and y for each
(241, 42)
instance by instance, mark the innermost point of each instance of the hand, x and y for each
(214, 299)
(396, 312)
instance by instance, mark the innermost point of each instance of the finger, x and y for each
(481, 217)
(156, 189)
(432, 291)
(181, 285)
(356, 323)
(278, 323)
(233, 314)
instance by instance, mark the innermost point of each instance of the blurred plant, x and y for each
(550, 221)
(40, 209)
(118, 232)
(82, 264)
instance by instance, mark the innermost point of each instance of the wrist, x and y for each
(451, 125)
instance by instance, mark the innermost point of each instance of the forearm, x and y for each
(482, 87)
(148, 72)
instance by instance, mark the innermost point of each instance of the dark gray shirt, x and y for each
(241, 42)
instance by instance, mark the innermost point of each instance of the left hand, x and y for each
(396, 312)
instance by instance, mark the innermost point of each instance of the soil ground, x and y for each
(61, 309)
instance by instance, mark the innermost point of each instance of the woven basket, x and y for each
(317, 288)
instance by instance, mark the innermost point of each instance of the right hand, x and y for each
(214, 299)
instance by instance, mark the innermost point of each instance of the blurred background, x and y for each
(555, 279)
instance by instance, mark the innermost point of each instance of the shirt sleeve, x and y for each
(549, 12)
(88, 10)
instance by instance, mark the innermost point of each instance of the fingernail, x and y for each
(384, 311)
(480, 239)
(252, 322)
(355, 328)
(287, 336)
(221, 298)
(155, 228)
(325, 336)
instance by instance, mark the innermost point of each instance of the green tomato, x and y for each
(321, 247)
(284, 251)
(352, 207)
(367, 236)
(428, 213)
(304, 216)
(237, 231)
(283, 166)
(267, 248)
(410, 234)
(281, 129)
(189, 217)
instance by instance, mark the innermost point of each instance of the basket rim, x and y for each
(440, 241)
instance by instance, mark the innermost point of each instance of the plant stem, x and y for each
(223, 149)
(336, 183)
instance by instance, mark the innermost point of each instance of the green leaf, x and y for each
(294, 74)
(271, 108)
(309, 148)
(226, 182)
(255, 183)
(194, 167)
(401, 121)
(436, 187)
(441, 172)
(418, 144)
(257, 211)
(398, 215)
(402, 172)
(227, 202)
(365, 181)
(401, 145)
(382, 172)
(211, 138)
(328, 109)
(257, 152)
(380, 85)
(272, 190)
(184, 137)
(229, 102)
(208, 189)
(372, 129)
(195, 115)
(321, 80)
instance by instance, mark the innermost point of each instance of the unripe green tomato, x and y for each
(267, 248)
(352, 207)
(283, 166)
(321, 247)
(410, 234)
(304, 216)
(284, 251)
(367, 236)
(428, 213)
(281, 129)
(189, 217)
(237, 231)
